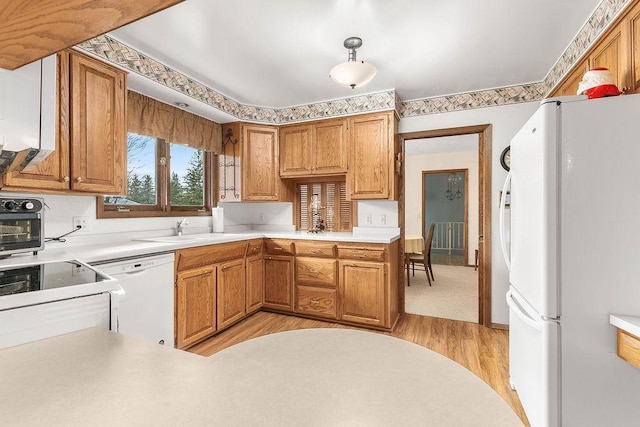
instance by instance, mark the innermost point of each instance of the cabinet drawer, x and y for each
(316, 271)
(278, 246)
(316, 301)
(187, 259)
(365, 253)
(316, 249)
(255, 247)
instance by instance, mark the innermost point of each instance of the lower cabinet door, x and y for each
(316, 301)
(196, 305)
(362, 292)
(255, 283)
(278, 283)
(231, 292)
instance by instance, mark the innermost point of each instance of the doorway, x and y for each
(445, 204)
(483, 208)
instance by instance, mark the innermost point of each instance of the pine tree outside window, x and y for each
(163, 179)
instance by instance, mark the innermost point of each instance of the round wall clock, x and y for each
(505, 158)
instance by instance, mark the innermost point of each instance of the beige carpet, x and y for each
(453, 295)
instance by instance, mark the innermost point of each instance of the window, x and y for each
(163, 178)
(325, 204)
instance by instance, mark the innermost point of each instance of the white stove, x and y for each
(42, 300)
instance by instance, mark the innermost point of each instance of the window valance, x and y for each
(146, 116)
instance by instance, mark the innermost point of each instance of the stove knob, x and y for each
(10, 205)
(28, 205)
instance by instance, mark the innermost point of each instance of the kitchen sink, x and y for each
(171, 239)
(188, 238)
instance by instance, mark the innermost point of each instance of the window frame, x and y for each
(323, 181)
(163, 207)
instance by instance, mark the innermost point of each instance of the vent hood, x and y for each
(27, 114)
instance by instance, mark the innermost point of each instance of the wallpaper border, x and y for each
(118, 53)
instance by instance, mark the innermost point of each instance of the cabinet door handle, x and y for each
(66, 179)
(315, 301)
(360, 256)
(204, 273)
(226, 268)
(277, 248)
(79, 179)
(316, 251)
(314, 271)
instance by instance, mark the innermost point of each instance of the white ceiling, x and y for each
(278, 53)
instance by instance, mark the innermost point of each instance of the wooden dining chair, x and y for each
(424, 258)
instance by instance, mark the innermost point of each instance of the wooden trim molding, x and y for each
(484, 206)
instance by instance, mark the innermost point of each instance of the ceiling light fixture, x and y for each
(352, 73)
(181, 104)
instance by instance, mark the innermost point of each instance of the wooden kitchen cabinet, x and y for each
(295, 150)
(362, 292)
(371, 161)
(278, 282)
(570, 84)
(260, 181)
(278, 274)
(90, 154)
(231, 292)
(195, 305)
(618, 49)
(611, 53)
(210, 290)
(319, 148)
(253, 173)
(316, 280)
(368, 286)
(33, 29)
(255, 276)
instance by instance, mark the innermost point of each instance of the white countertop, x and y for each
(109, 250)
(630, 324)
(312, 377)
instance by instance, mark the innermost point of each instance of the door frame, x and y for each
(484, 132)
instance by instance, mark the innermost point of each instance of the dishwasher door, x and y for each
(146, 310)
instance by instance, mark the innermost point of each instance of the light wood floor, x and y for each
(484, 351)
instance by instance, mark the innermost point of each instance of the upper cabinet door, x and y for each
(98, 137)
(330, 147)
(612, 54)
(260, 179)
(368, 176)
(295, 150)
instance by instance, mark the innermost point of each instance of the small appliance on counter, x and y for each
(21, 225)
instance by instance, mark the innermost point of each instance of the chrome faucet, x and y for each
(180, 225)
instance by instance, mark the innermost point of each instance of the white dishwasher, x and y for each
(146, 311)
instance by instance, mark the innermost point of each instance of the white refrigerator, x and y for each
(574, 259)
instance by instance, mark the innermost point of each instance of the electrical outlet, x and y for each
(261, 217)
(368, 219)
(81, 222)
(78, 270)
(383, 219)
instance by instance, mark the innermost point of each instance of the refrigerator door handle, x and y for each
(503, 207)
(522, 315)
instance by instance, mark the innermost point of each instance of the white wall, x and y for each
(506, 120)
(415, 165)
